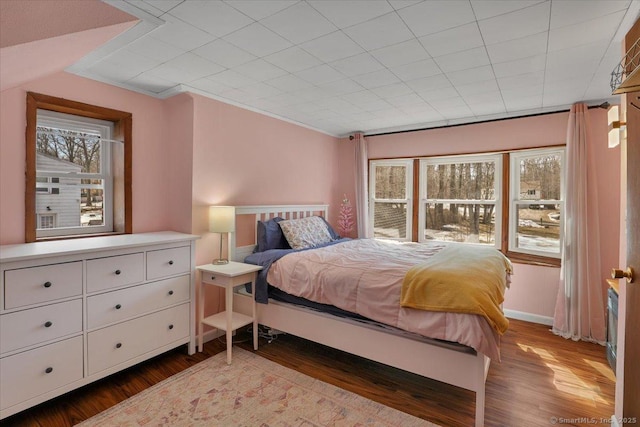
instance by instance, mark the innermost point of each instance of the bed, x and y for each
(450, 357)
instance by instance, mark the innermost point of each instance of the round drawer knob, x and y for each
(49, 370)
(47, 284)
(170, 292)
(118, 271)
(48, 324)
(119, 345)
(118, 306)
(170, 262)
(170, 326)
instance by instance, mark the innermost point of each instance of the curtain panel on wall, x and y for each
(361, 178)
(579, 312)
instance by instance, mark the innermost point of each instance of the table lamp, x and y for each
(222, 219)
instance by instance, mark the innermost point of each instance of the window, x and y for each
(537, 200)
(78, 169)
(390, 191)
(458, 199)
(512, 201)
(75, 153)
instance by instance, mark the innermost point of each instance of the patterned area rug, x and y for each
(252, 391)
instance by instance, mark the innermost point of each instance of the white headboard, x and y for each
(266, 212)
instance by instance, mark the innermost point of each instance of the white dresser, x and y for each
(74, 311)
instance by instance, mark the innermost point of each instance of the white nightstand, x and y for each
(227, 276)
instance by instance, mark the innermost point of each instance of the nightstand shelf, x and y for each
(227, 276)
(219, 320)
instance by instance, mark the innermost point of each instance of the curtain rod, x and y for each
(603, 105)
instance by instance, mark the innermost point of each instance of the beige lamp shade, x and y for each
(222, 219)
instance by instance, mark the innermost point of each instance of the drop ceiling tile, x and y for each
(401, 53)
(471, 75)
(224, 53)
(448, 103)
(320, 74)
(518, 48)
(576, 61)
(395, 89)
(429, 83)
(288, 83)
(345, 13)
(113, 71)
(259, 9)
(151, 83)
(340, 87)
(187, 67)
(311, 94)
(180, 34)
(258, 40)
(493, 97)
(293, 59)
(332, 47)
(401, 4)
(521, 23)
(299, 23)
(451, 113)
(209, 86)
(448, 92)
(373, 106)
(467, 59)
(232, 78)
(522, 92)
(521, 81)
(487, 109)
(417, 70)
(376, 79)
(356, 65)
(380, 32)
(434, 16)
(523, 103)
(599, 29)
(154, 49)
(285, 99)
(453, 40)
(238, 95)
(489, 8)
(405, 100)
(260, 70)
(163, 5)
(132, 61)
(261, 90)
(565, 12)
(214, 17)
(520, 66)
(478, 87)
(361, 97)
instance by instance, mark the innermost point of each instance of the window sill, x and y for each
(542, 261)
(76, 236)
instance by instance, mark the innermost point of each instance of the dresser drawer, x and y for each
(168, 262)
(118, 343)
(46, 283)
(115, 306)
(114, 272)
(35, 372)
(36, 325)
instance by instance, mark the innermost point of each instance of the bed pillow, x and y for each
(269, 235)
(332, 232)
(305, 232)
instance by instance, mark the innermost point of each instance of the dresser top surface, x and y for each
(28, 251)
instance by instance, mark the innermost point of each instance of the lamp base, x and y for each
(220, 261)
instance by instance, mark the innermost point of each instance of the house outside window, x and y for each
(73, 174)
(390, 195)
(459, 199)
(537, 200)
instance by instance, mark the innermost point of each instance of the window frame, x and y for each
(466, 158)
(122, 174)
(514, 201)
(408, 200)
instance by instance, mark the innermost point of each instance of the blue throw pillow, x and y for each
(269, 235)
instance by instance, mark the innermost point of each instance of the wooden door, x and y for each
(631, 357)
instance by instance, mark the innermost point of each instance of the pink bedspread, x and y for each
(365, 277)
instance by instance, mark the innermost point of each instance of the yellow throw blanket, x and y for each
(460, 279)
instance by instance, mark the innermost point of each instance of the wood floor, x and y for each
(541, 376)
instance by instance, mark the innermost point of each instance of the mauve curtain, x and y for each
(362, 202)
(579, 312)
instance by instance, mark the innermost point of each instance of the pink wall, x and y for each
(150, 149)
(533, 288)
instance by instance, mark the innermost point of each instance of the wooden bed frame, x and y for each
(466, 369)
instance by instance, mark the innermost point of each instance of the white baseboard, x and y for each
(614, 421)
(212, 335)
(528, 317)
